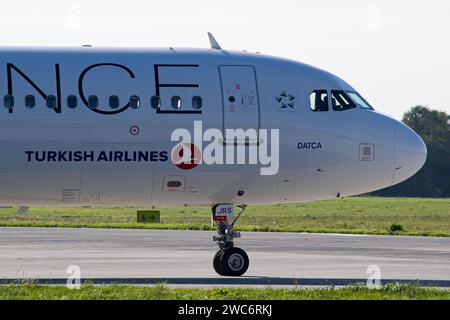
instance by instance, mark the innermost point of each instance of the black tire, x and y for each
(234, 262)
(216, 262)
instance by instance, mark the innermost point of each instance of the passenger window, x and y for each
(72, 101)
(341, 101)
(30, 101)
(176, 102)
(197, 102)
(114, 102)
(93, 102)
(319, 100)
(8, 101)
(155, 102)
(135, 102)
(51, 101)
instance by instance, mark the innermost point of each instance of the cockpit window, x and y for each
(359, 100)
(341, 101)
(319, 100)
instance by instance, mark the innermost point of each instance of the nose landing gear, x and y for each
(229, 260)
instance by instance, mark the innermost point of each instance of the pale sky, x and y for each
(395, 53)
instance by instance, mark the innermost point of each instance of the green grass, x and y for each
(363, 215)
(161, 292)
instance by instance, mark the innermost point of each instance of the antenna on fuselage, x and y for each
(213, 42)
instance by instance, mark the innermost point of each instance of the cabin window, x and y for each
(155, 102)
(341, 101)
(114, 102)
(359, 100)
(197, 102)
(176, 102)
(93, 102)
(30, 101)
(72, 101)
(319, 100)
(8, 101)
(51, 101)
(135, 102)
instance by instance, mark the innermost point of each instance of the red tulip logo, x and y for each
(186, 156)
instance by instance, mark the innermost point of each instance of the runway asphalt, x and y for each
(185, 257)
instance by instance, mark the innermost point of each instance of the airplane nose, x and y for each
(410, 153)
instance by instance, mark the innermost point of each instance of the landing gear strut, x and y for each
(229, 260)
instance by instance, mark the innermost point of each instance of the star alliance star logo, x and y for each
(286, 100)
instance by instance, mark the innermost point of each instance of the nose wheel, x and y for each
(232, 263)
(229, 260)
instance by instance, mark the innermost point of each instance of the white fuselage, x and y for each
(49, 155)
